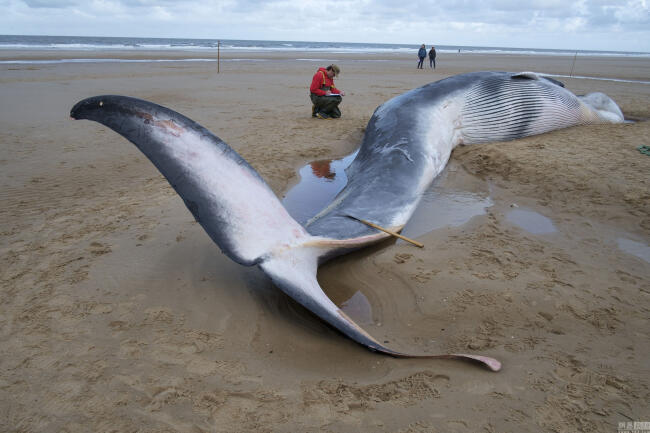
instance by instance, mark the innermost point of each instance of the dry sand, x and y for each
(117, 312)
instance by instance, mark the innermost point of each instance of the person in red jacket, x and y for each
(324, 95)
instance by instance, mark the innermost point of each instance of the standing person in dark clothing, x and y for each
(432, 57)
(422, 53)
(324, 95)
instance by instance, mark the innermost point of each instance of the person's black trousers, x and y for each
(328, 105)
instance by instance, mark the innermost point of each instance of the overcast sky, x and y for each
(567, 24)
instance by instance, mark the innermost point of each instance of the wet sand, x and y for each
(118, 313)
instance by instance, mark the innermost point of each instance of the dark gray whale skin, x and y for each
(408, 142)
(399, 153)
(383, 178)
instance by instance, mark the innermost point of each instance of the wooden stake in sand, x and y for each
(574, 64)
(390, 232)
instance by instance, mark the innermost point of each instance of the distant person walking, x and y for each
(422, 53)
(432, 57)
(324, 95)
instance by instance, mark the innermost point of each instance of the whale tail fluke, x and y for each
(234, 205)
(225, 194)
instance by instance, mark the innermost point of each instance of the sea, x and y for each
(196, 46)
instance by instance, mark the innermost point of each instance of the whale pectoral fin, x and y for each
(223, 192)
(294, 272)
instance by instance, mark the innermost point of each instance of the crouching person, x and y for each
(324, 95)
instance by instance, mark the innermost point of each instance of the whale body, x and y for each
(407, 143)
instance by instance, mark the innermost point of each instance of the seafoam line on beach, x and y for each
(57, 61)
(109, 60)
(348, 60)
(582, 77)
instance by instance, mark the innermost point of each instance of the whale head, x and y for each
(605, 107)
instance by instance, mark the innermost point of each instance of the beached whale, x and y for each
(407, 143)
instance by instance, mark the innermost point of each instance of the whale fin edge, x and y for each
(293, 270)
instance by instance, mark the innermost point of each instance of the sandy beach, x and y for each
(118, 313)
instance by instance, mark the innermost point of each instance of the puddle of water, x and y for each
(449, 201)
(358, 308)
(453, 199)
(531, 221)
(320, 181)
(634, 248)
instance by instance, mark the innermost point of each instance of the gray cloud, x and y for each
(51, 4)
